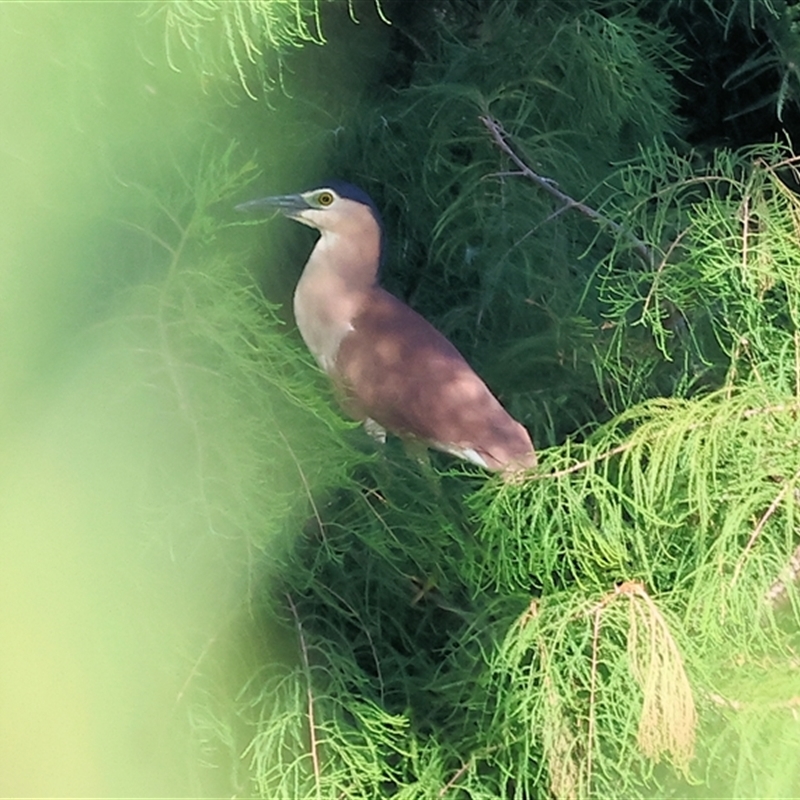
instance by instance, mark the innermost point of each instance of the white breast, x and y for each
(323, 310)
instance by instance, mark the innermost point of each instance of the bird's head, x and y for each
(335, 207)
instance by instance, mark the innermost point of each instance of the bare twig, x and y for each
(312, 728)
(789, 575)
(452, 782)
(773, 507)
(560, 473)
(500, 137)
(776, 409)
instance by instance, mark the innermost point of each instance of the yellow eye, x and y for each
(324, 198)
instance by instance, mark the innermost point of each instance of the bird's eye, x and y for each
(324, 198)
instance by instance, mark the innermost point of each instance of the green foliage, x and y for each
(252, 36)
(624, 622)
(495, 655)
(423, 626)
(720, 303)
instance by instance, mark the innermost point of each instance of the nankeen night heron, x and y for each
(392, 369)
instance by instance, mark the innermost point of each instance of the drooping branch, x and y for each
(590, 736)
(668, 720)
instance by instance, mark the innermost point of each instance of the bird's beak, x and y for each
(288, 204)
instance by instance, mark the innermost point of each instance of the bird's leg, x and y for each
(375, 430)
(377, 433)
(515, 475)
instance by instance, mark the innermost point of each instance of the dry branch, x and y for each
(500, 137)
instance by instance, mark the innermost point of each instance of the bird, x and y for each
(391, 369)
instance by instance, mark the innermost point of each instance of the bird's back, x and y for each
(397, 369)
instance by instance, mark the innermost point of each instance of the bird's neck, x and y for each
(349, 262)
(335, 282)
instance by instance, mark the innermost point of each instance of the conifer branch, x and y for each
(500, 136)
(375, 658)
(668, 720)
(560, 741)
(577, 467)
(748, 413)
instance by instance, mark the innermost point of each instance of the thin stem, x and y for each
(780, 586)
(583, 464)
(773, 507)
(452, 782)
(312, 728)
(621, 448)
(745, 232)
(797, 364)
(660, 269)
